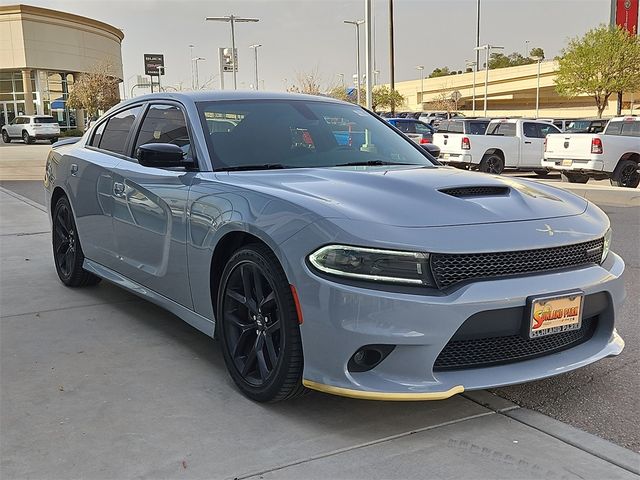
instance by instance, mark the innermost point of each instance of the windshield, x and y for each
(254, 134)
(580, 125)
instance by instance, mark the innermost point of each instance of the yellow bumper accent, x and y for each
(397, 397)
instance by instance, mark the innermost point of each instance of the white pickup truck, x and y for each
(613, 154)
(509, 143)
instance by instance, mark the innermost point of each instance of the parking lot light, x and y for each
(420, 68)
(357, 24)
(488, 49)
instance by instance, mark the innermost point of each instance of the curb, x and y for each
(615, 196)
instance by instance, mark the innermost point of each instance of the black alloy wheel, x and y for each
(5, 137)
(67, 252)
(492, 164)
(259, 326)
(626, 174)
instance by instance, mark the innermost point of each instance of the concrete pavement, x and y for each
(96, 383)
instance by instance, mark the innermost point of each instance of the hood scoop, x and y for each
(477, 191)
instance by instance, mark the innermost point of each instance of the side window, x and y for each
(630, 129)
(613, 128)
(546, 129)
(164, 124)
(420, 128)
(405, 127)
(114, 137)
(492, 129)
(477, 128)
(530, 130)
(97, 135)
(503, 129)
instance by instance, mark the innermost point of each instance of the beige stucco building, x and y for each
(42, 53)
(510, 92)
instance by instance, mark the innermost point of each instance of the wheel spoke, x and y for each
(235, 320)
(271, 351)
(267, 302)
(257, 283)
(62, 224)
(251, 304)
(236, 296)
(61, 250)
(69, 258)
(242, 340)
(262, 365)
(273, 327)
(251, 358)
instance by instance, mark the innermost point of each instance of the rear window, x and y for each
(477, 128)
(451, 127)
(44, 120)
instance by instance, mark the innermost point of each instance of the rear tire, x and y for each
(258, 326)
(53, 140)
(541, 173)
(493, 164)
(574, 177)
(26, 138)
(626, 174)
(5, 137)
(67, 251)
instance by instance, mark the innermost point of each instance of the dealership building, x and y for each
(43, 52)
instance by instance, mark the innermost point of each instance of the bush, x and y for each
(72, 132)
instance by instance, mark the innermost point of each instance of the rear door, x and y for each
(150, 219)
(532, 145)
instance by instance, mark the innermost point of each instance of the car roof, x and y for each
(221, 95)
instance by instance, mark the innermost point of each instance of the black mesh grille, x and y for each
(482, 352)
(453, 268)
(475, 191)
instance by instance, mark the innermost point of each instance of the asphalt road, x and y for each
(601, 398)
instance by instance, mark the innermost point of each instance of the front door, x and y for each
(532, 146)
(150, 210)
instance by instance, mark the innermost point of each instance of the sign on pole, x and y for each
(624, 14)
(151, 63)
(228, 64)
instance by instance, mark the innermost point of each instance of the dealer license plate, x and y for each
(446, 155)
(567, 163)
(556, 314)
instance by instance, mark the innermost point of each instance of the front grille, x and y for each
(483, 352)
(449, 269)
(479, 191)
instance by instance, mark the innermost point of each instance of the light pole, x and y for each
(160, 72)
(526, 48)
(538, 59)
(420, 68)
(232, 19)
(341, 75)
(195, 61)
(488, 49)
(357, 24)
(368, 47)
(475, 69)
(191, 57)
(255, 57)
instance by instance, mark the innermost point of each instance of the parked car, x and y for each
(418, 131)
(434, 118)
(507, 143)
(453, 138)
(613, 154)
(360, 269)
(30, 128)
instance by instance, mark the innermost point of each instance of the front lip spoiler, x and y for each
(397, 397)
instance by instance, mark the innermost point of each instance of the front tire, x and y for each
(5, 137)
(258, 326)
(574, 177)
(541, 173)
(626, 174)
(26, 138)
(493, 164)
(67, 251)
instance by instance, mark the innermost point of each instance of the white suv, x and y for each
(31, 128)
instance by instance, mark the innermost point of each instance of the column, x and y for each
(28, 93)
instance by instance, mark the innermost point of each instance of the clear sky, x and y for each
(302, 35)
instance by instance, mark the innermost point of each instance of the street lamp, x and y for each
(538, 59)
(488, 49)
(191, 57)
(357, 24)
(255, 56)
(160, 72)
(473, 64)
(232, 19)
(526, 48)
(420, 68)
(194, 62)
(341, 75)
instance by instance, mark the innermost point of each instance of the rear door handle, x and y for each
(118, 189)
(528, 143)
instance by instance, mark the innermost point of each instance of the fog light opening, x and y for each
(368, 357)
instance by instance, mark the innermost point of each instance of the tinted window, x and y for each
(164, 124)
(456, 127)
(530, 130)
(302, 133)
(95, 142)
(545, 129)
(631, 129)
(114, 136)
(421, 128)
(613, 128)
(44, 120)
(477, 128)
(406, 127)
(503, 129)
(21, 120)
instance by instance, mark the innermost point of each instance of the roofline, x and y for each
(46, 12)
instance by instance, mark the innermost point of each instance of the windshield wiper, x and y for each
(372, 163)
(264, 166)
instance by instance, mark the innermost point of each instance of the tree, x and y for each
(604, 61)
(95, 90)
(383, 97)
(443, 102)
(440, 72)
(537, 52)
(307, 82)
(500, 60)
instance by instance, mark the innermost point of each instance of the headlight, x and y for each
(385, 266)
(606, 245)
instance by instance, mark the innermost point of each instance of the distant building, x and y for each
(42, 53)
(511, 92)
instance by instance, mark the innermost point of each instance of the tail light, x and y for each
(424, 140)
(596, 145)
(466, 144)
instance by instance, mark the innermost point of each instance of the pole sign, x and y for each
(151, 63)
(626, 15)
(227, 62)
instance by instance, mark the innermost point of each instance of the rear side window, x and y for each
(115, 134)
(95, 141)
(630, 129)
(613, 128)
(164, 124)
(477, 128)
(406, 127)
(546, 129)
(503, 129)
(420, 128)
(44, 120)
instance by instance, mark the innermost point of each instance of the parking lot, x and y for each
(97, 383)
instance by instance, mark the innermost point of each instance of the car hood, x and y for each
(413, 197)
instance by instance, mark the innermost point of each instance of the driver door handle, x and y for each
(528, 143)
(118, 189)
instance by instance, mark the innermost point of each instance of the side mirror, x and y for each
(161, 155)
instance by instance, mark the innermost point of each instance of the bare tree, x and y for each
(307, 82)
(95, 90)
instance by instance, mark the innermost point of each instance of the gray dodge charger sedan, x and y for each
(328, 251)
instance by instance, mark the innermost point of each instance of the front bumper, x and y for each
(339, 319)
